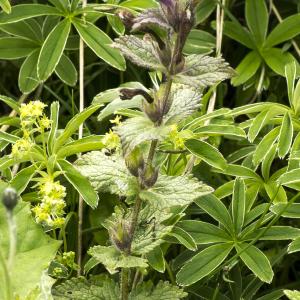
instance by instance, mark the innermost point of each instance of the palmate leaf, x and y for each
(170, 191)
(185, 101)
(106, 173)
(135, 131)
(142, 52)
(113, 259)
(201, 71)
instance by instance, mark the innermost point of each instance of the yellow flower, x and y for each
(38, 108)
(111, 140)
(20, 148)
(45, 123)
(116, 120)
(33, 109)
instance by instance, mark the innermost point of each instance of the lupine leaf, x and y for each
(292, 295)
(285, 136)
(238, 204)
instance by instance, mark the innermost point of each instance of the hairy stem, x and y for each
(80, 134)
(124, 284)
(12, 239)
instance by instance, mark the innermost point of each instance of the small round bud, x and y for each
(10, 198)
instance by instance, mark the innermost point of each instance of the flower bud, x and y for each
(10, 198)
(119, 235)
(135, 161)
(149, 176)
(128, 94)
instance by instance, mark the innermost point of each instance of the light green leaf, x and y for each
(15, 47)
(52, 49)
(285, 136)
(275, 192)
(292, 295)
(216, 209)
(35, 250)
(183, 237)
(28, 78)
(238, 204)
(203, 232)
(171, 191)
(287, 210)
(292, 176)
(267, 162)
(257, 17)
(241, 171)
(5, 5)
(54, 108)
(203, 263)
(202, 71)
(290, 75)
(206, 152)
(27, 11)
(13, 104)
(156, 259)
(112, 259)
(8, 137)
(80, 183)
(139, 4)
(294, 246)
(247, 68)
(22, 178)
(66, 71)
(256, 261)
(286, 30)
(100, 43)
(199, 42)
(226, 130)
(204, 10)
(73, 125)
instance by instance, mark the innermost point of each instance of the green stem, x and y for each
(7, 283)
(12, 239)
(124, 284)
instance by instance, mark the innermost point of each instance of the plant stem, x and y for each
(7, 283)
(124, 284)
(12, 239)
(80, 134)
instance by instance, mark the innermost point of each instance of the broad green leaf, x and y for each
(35, 250)
(5, 5)
(201, 71)
(73, 125)
(265, 145)
(28, 78)
(276, 59)
(287, 210)
(156, 259)
(106, 173)
(216, 209)
(13, 104)
(15, 47)
(286, 30)
(206, 152)
(21, 180)
(203, 232)
(203, 263)
(292, 295)
(170, 191)
(247, 68)
(256, 261)
(66, 71)
(241, 171)
(237, 32)
(204, 10)
(216, 129)
(100, 43)
(80, 183)
(89, 143)
(274, 233)
(116, 25)
(183, 237)
(52, 49)
(113, 259)
(258, 123)
(27, 11)
(238, 204)
(135, 131)
(54, 108)
(285, 136)
(257, 18)
(294, 246)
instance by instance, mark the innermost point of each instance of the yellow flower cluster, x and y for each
(111, 140)
(178, 137)
(20, 148)
(50, 211)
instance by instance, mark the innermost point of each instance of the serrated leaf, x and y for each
(285, 136)
(201, 71)
(135, 131)
(112, 259)
(206, 152)
(238, 204)
(141, 52)
(171, 191)
(256, 261)
(35, 250)
(203, 263)
(162, 291)
(185, 101)
(92, 35)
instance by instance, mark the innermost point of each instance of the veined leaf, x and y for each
(285, 136)
(15, 47)
(257, 17)
(241, 171)
(226, 130)
(5, 5)
(80, 183)
(52, 49)
(203, 263)
(206, 152)
(183, 237)
(256, 261)
(66, 71)
(100, 43)
(27, 11)
(238, 204)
